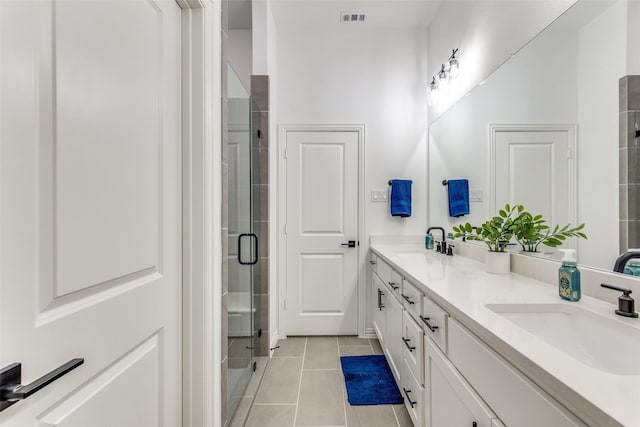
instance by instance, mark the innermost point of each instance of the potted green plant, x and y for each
(532, 231)
(495, 233)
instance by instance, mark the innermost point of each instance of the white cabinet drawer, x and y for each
(434, 322)
(413, 394)
(389, 277)
(514, 398)
(413, 342)
(396, 283)
(384, 270)
(373, 261)
(412, 299)
(449, 399)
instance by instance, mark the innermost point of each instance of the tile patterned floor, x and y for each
(303, 386)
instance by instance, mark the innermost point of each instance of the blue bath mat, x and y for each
(369, 380)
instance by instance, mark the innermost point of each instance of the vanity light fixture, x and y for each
(448, 74)
(454, 65)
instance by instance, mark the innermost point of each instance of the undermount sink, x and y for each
(597, 341)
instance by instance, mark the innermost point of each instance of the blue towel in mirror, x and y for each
(458, 197)
(401, 197)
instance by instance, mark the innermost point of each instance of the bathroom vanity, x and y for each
(470, 348)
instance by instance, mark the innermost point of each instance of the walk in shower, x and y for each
(243, 305)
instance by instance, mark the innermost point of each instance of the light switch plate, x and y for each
(380, 195)
(475, 195)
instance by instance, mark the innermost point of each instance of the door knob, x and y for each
(11, 389)
(350, 244)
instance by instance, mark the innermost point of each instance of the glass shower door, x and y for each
(242, 243)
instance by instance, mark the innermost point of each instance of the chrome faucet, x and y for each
(442, 248)
(621, 261)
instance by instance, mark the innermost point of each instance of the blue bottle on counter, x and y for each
(428, 241)
(632, 267)
(569, 277)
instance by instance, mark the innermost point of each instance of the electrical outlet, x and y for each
(380, 195)
(475, 195)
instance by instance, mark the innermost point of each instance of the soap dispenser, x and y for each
(428, 241)
(569, 276)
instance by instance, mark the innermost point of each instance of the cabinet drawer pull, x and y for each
(426, 321)
(407, 299)
(372, 262)
(406, 393)
(474, 424)
(380, 295)
(406, 342)
(393, 286)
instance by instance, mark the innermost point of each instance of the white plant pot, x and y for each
(498, 262)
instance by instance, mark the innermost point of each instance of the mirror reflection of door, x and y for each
(534, 165)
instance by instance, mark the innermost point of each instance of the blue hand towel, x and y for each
(458, 197)
(401, 197)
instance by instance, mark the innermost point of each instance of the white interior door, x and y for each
(322, 216)
(535, 168)
(90, 209)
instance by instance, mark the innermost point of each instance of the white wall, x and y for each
(265, 62)
(487, 33)
(633, 38)
(562, 76)
(239, 55)
(371, 77)
(602, 62)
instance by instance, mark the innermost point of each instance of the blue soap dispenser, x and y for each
(428, 241)
(569, 276)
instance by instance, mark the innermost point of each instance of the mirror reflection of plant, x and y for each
(496, 232)
(532, 231)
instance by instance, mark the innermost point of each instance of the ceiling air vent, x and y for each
(348, 17)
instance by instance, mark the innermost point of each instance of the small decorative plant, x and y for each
(496, 232)
(532, 231)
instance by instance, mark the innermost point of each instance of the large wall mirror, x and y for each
(565, 81)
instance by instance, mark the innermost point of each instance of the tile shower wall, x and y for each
(260, 192)
(629, 162)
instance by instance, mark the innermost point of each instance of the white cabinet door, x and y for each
(450, 399)
(379, 311)
(514, 397)
(393, 340)
(413, 395)
(412, 337)
(90, 219)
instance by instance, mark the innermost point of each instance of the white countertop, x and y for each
(463, 288)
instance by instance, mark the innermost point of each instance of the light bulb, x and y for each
(454, 68)
(454, 65)
(442, 77)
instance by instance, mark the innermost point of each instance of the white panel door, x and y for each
(533, 168)
(90, 209)
(322, 216)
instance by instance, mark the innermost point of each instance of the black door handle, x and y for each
(255, 253)
(380, 295)
(350, 244)
(406, 342)
(426, 321)
(406, 393)
(11, 389)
